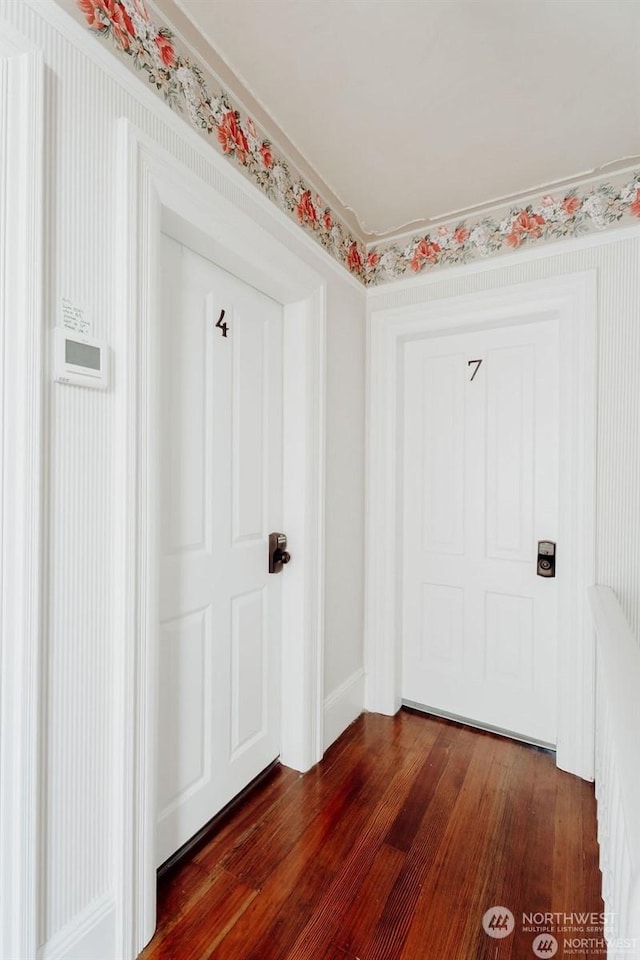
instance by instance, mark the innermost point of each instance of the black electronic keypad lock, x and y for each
(546, 558)
(278, 554)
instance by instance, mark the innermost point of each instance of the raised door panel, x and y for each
(249, 669)
(442, 627)
(508, 630)
(510, 437)
(249, 410)
(184, 727)
(185, 387)
(442, 453)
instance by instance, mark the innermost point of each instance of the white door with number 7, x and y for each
(220, 389)
(479, 479)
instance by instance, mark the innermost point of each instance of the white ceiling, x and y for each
(415, 111)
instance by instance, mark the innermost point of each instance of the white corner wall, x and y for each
(344, 522)
(87, 90)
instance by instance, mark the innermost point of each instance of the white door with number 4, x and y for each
(220, 394)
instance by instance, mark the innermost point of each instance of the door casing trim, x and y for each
(158, 188)
(22, 442)
(572, 300)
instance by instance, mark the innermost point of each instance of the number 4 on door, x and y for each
(223, 326)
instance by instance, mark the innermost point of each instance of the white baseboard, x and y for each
(89, 936)
(343, 706)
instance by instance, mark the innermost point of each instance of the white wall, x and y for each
(87, 90)
(616, 258)
(344, 674)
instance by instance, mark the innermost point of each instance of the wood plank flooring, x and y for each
(393, 848)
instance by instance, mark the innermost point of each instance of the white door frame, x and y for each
(22, 339)
(159, 191)
(572, 300)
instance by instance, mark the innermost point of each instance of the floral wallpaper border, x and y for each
(153, 51)
(550, 217)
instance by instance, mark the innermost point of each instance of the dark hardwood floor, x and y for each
(393, 848)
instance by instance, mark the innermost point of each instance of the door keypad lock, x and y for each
(546, 558)
(278, 553)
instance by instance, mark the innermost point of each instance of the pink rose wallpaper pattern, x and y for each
(152, 51)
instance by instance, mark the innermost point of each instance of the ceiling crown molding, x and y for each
(190, 86)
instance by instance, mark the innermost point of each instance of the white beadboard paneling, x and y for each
(79, 670)
(79, 673)
(87, 92)
(617, 262)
